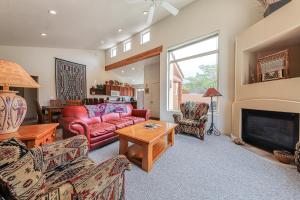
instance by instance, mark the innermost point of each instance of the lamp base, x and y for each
(13, 109)
(213, 130)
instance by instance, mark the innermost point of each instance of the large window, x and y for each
(192, 69)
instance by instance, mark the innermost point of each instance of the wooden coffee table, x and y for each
(149, 143)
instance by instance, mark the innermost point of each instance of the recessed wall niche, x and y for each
(289, 41)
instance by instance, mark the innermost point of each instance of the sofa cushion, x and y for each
(101, 129)
(189, 122)
(18, 175)
(110, 116)
(135, 119)
(121, 122)
(128, 112)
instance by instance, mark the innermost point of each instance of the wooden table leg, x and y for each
(147, 162)
(123, 146)
(171, 137)
(49, 116)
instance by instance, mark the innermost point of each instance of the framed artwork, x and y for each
(274, 66)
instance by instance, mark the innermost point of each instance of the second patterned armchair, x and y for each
(192, 119)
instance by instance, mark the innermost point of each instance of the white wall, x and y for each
(152, 81)
(40, 62)
(228, 17)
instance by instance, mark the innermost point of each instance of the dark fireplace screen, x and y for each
(270, 130)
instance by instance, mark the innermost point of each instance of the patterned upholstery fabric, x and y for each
(297, 156)
(70, 175)
(19, 177)
(63, 152)
(192, 119)
(112, 172)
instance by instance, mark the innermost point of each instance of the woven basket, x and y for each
(284, 156)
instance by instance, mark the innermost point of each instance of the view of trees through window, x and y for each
(192, 69)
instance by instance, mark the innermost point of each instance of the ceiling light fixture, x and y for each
(52, 12)
(145, 12)
(120, 30)
(133, 68)
(43, 34)
(122, 71)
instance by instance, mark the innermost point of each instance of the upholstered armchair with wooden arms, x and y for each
(192, 119)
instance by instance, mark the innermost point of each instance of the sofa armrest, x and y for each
(60, 153)
(75, 126)
(177, 117)
(109, 174)
(141, 113)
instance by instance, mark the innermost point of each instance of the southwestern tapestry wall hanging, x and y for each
(70, 80)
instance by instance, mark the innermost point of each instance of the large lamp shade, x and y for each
(212, 92)
(13, 108)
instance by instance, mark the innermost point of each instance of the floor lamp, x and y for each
(212, 92)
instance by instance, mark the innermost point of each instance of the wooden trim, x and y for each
(136, 58)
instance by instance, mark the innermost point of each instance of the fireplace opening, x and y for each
(270, 130)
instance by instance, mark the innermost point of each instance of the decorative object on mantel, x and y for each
(284, 156)
(212, 92)
(70, 80)
(273, 67)
(13, 108)
(238, 141)
(272, 5)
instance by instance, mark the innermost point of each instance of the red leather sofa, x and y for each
(99, 130)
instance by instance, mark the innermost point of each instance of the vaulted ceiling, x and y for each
(77, 24)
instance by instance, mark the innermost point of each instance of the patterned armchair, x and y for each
(61, 171)
(192, 119)
(297, 156)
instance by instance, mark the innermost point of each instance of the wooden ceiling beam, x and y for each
(136, 58)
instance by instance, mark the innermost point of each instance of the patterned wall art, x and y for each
(70, 80)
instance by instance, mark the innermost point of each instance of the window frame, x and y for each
(186, 44)
(112, 50)
(142, 38)
(124, 45)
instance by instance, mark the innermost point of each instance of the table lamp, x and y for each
(13, 107)
(212, 92)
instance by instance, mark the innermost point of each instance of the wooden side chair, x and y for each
(73, 102)
(42, 117)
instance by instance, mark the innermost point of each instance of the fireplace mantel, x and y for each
(280, 28)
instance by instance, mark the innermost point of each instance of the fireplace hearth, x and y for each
(270, 130)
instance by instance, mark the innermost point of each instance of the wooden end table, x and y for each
(149, 143)
(34, 135)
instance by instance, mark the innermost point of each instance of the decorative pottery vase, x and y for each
(13, 109)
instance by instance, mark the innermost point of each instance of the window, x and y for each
(113, 52)
(145, 37)
(192, 68)
(127, 46)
